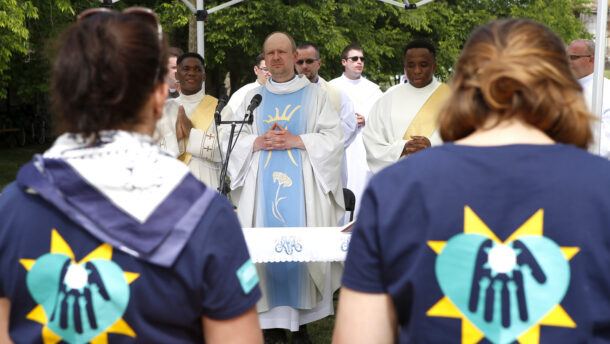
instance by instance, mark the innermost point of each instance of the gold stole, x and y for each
(426, 120)
(334, 94)
(202, 117)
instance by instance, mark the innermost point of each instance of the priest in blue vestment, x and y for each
(286, 172)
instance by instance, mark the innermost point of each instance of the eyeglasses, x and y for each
(264, 69)
(355, 58)
(307, 61)
(576, 57)
(142, 13)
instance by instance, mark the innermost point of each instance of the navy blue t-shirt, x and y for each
(489, 244)
(110, 295)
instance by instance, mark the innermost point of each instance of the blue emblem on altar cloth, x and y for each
(280, 194)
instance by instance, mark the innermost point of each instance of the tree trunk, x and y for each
(193, 35)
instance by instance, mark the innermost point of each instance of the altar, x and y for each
(297, 244)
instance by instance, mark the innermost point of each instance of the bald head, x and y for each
(279, 34)
(581, 55)
(280, 55)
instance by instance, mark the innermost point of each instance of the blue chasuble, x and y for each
(280, 194)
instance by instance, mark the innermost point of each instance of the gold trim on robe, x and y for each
(202, 118)
(426, 120)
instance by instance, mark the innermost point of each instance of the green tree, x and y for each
(13, 34)
(450, 22)
(234, 35)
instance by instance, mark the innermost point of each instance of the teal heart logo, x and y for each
(82, 300)
(503, 289)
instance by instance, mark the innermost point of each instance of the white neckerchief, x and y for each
(128, 168)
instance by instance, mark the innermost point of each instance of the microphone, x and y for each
(222, 102)
(254, 103)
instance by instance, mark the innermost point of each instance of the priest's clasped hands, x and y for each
(414, 145)
(183, 124)
(277, 138)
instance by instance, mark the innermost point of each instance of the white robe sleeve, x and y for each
(242, 155)
(237, 98)
(204, 144)
(324, 144)
(348, 119)
(382, 147)
(165, 131)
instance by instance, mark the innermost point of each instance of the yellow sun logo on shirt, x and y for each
(78, 301)
(502, 290)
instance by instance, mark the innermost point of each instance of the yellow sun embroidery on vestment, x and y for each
(474, 225)
(286, 118)
(38, 314)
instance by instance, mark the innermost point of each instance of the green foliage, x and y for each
(234, 35)
(13, 34)
(26, 75)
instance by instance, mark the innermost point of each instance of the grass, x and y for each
(321, 331)
(11, 159)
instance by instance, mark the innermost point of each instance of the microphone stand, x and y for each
(224, 187)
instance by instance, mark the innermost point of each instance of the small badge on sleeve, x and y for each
(247, 276)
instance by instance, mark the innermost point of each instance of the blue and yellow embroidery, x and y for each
(280, 191)
(278, 118)
(78, 302)
(282, 180)
(502, 290)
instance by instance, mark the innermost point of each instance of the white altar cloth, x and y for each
(297, 244)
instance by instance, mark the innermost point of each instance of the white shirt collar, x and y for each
(353, 81)
(430, 87)
(292, 85)
(586, 79)
(193, 98)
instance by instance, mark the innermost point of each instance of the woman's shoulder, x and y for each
(527, 161)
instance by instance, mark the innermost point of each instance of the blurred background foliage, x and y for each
(234, 36)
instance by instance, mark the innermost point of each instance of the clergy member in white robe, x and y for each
(405, 119)
(309, 63)
(601, 136)
(294, 182)
(390, 118)
(198, 148)
(363, 94)
(345, 107)
(262, 73)
(581, 53)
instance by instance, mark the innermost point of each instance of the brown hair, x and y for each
(309, 45)
(516, 68)
(260, 57)
(347, 49)
(106, 69)
(174, 52)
